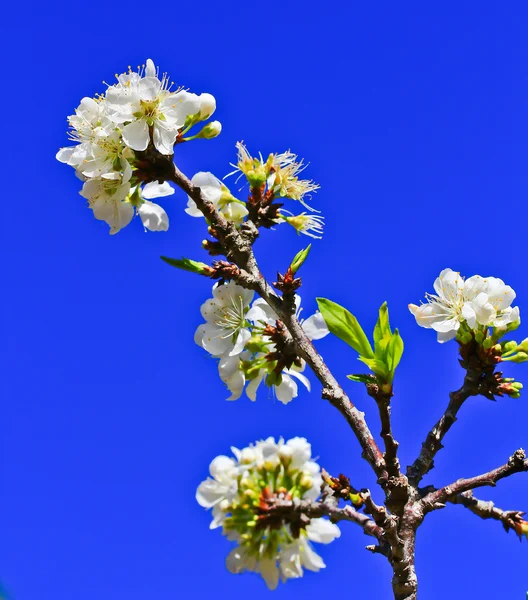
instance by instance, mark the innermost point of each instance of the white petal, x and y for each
(115, 213)
(149, 88)
(64, 154)
(469, 314)
(310, 559)
(270, 573)
(315, 327)
(153, 216)
(215, 340)
(155, 189)
(221, 466)
(252, 387)
(150, 69)
(164, 138)
(243, 337)
(446, 336)
(302, 378)
(192, 209)
(286, 390)
(136, 135)
(209, 493)
(301, 451)
(322, 531)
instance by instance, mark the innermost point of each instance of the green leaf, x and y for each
(394, 351)
(186, 264)
(363, 378)
(377, 366)
(345, 326)
(299, 259)
(382, 331)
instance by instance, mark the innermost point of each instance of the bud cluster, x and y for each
(252, 497)
(125, 138)
(252, 344)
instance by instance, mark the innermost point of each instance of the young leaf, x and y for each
(345, 326)
(377, 366)
(394, 351)
(382, 330)
(299, 259)
(363, 378)
(186, 264)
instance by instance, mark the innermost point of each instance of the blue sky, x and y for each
(415, 122)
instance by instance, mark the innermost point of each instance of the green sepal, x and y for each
(345, 326)
(186, 264)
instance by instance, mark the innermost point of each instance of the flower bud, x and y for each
(488, 343)
(207, 106)
(210, 131)
(523, 346)
(520, 357)
(509, 346)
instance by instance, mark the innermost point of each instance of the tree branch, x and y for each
(517, 463)
(487, 510)
(237, 246)
(383, 401)
(433, 442)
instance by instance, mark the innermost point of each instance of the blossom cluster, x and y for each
(467, 309)
(113, 132)
(242, 490)
(233, 332)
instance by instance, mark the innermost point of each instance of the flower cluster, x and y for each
(242, 493)
(113, 134)
(468, 308)
(235, 333)
(277, 177)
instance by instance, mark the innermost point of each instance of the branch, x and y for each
(386, 522)
(297, 513)
(237, 246)
(433, 443)
(510, 519)
(517, 463)
(383, 401)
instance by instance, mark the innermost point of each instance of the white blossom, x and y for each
(478, 302)
(226, 330)
(443, 312)
(144, 103)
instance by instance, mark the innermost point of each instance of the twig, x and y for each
(517, 463)
(486, 509)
